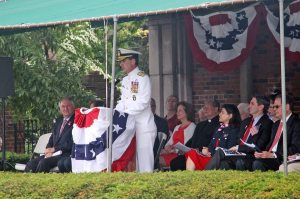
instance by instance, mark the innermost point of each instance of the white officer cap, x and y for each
(125, 53)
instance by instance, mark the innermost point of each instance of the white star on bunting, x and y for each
(93, 152)
(122, 114)
(211, 42)
(117, 128)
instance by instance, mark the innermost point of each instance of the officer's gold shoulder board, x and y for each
(141, 73)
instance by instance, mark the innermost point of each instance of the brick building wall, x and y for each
(215, 85)
(265, 59)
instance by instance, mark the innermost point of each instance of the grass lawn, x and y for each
(206, 184)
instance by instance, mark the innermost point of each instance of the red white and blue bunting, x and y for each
(222, 41)
(89, 152)
(291, 30)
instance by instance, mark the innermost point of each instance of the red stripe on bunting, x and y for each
(295, 7)
(292, 56)
(86, 120)
(219, 19)
(122, 162)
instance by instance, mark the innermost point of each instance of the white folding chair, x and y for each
(38, 150)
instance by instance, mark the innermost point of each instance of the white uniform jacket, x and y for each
(135, 99)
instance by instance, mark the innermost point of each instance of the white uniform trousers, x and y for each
(144, 150)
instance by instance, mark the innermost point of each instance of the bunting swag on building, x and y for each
(291, 30)
(89, 153)
(222, 41)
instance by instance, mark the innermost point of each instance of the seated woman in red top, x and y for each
(225, 137)
(182, 133)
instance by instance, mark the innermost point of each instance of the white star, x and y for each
(219, 44)
(117, 128)
(93, 152)
(241, 17)
(122, 114)
(211, 42)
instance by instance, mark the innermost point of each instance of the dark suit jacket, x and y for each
(203, 133)
(227, 139)
(63, 141)
(261, 139)
(293, 137)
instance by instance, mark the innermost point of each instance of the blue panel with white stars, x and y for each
(91, 150)
(292, 32)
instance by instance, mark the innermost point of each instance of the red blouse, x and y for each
(179, 134)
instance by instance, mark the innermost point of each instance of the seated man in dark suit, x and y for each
(254, 130)
(161, 125)
(60, 140)
(65, 164)
(202, 134)
(272, 157)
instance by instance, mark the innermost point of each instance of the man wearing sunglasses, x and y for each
(272, 157)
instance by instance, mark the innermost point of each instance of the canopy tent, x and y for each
(20, 15)
(36, 13)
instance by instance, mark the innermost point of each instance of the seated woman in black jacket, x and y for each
(225, 136)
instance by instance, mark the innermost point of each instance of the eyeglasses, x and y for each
(276, 106)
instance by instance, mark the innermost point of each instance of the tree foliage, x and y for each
(134, 35)
(51, 62)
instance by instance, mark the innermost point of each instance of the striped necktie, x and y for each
(63, 126)
(247, 132)
(277, 136)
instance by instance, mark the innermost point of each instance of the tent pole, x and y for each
(112, 94)
(283, 86)
(106, 63)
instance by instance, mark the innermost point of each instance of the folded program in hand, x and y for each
(227, 152)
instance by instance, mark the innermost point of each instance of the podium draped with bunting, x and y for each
(89, 153)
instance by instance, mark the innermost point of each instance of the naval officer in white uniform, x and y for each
(135, 100)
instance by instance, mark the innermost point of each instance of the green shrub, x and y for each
(13, 158)
(206, 184)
